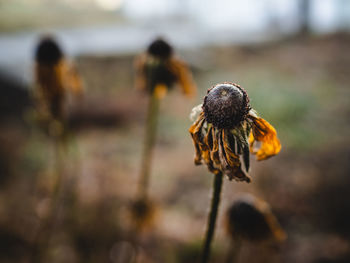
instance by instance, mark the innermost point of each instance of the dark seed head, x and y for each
(159, 74)
(160, 48)
(48, 52)
(246, 221)
(226, 105)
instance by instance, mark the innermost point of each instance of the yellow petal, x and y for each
(184, 76)
(276, 230)
(74, 80)
(214, 152)
(266, 134)
(51, 88)
(140, 79)
(160, 91)
(195, 130)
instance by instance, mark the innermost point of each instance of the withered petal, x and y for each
(74, 80)
(195, 131)
(266, 134)
(277, 231)
(246, 158)
(231, 157)
(214, 153)
(160, 91)
(233, 169)
(238, 175)
(184, 76)
(140, 78)
(208, 139)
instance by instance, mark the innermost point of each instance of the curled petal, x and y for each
(160, 91)
(232, 162)
(140, 78)
(214, 151)
(276, 230)
(74, 80)
(184, 76)
(196, 134)
(237, 174)
(232, 159)
(266, 134)
(206, 149)
(202, 145)
(50, 79)
(51, 91)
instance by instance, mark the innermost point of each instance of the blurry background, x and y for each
(292, 57)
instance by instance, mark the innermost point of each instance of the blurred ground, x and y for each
(299, 85)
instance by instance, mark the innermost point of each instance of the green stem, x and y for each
(150, 136)
(212, 217)
(46, 229)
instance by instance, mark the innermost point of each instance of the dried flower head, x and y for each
(48, 52)
(160, 48)
(54, 76)
(227, 129)
(251, 218)
(157, 70)
(143, 213)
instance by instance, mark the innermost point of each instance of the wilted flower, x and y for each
(54, 75)
(157, 70)
(142, 213)
(227, 128)
(251, 218)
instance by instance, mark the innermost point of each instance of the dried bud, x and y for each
(226, 105)
(142, 213)
(159, 67)
(251, 218)
(48, 52)
(157, 70)
(54, 76)
(160, 48)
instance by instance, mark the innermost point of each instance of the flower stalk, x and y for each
(54, 76)
(225, 132)
(214, 207)
(150, 138)
(157, 71)
(46, 228)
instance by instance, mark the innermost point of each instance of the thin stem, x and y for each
(150, 135)
(212, 217)
(41, 242)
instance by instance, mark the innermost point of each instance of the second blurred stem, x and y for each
(59, 149)
(46, 229)
(150, 137)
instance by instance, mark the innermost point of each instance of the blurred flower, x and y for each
(54, 75)
(142, 213)
(157, 70)
(251, 218)
(228, 128)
